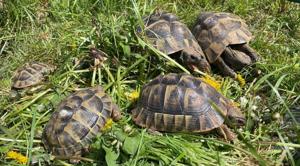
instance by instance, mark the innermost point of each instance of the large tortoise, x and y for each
(167, 34)
(224, 39)
(78, 119)
(183, 103)
(29, 77)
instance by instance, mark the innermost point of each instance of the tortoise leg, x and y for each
(224, 68)
(249, 51)
(76, 158)
(154, 132)
(14, 95)
(235, 58)
(226, 133)
(116, 115)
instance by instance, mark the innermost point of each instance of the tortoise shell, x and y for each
(77, 120)
(180, 103)
(216, 31)
(167, 34)
(31, 74)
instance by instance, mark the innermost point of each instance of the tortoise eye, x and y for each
(241, 122)
(194, 58)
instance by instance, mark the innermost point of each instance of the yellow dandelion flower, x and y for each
(17, 156)
(108, 124)
(236, 104)
(211, 81)
(241, 80)
(133, 96)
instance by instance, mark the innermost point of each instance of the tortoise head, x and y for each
(195, 60)
(14, 95)
(235, 116)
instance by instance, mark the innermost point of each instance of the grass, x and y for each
(60, 31)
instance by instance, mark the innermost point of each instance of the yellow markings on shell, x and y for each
(69, 129)
(172, 43)
(179, 121)
(157, 119)
(188, 120)
(79, 119)
(86, 105)
(211, 116)
(216, 46)
(150, 94)
(186, 100)
(167, 97)
(202, 121)
(167, 119)
(152, 25)
(186, 42)
(17, 156)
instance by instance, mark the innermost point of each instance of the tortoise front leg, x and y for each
(225, 69)
(116, 115)
(76, 158)
(226, 133)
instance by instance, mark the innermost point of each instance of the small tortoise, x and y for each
(78, 119)
(183, 103)
(224, 39)
(29, 78)
(167, 34)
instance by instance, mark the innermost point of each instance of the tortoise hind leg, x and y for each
(235, 58)
(249, 51)
(226, 133)
(224, 68)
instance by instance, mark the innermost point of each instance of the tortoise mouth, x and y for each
(197, 67)
(239, 121)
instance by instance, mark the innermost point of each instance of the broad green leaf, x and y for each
(131, 145)
(111, 156)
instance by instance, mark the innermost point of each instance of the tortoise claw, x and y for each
(226, 133)
(154, 132)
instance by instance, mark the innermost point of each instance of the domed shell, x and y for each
(77, 120)
(167, 34)
(216, 31)
(180, 103)
(30, 75)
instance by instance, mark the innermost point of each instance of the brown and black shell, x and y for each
(167, 34)
(77, 120)
(216, 31)
(30, 75)
(180, 103)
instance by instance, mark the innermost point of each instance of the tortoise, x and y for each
(183, 103)
(77, 120)
(98, 56)
(167, 34)
(28, 78)
(224, 39)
